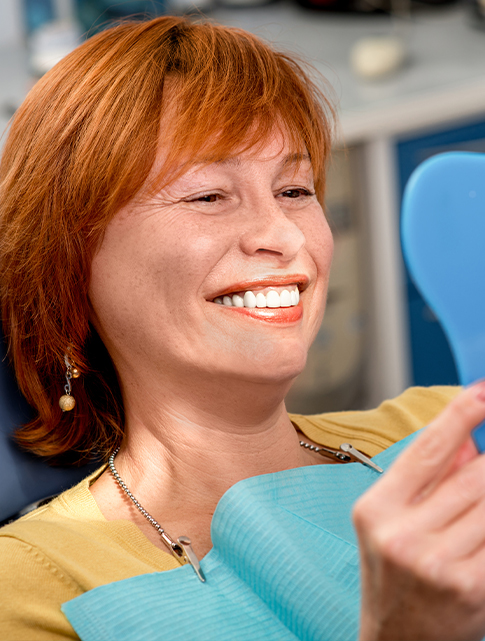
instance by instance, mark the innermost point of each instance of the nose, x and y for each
(269, 230)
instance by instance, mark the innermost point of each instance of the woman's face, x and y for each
(248, 224)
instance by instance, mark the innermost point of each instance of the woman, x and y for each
(165, 261)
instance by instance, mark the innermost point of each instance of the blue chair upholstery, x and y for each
(24, 478)
(443, 235)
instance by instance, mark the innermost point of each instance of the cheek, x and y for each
(319, 243)
(327, 254)
(320, 247)
(190, 254)
(153, 269)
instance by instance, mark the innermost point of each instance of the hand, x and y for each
(421, 532)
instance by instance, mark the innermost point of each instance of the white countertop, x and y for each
(443, 81)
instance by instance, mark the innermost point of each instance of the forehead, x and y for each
(189, 135)
(278, 145)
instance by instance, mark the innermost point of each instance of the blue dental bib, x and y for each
(284, 566)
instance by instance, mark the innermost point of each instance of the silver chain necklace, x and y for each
(181, 549)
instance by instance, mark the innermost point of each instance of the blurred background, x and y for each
(410, 81)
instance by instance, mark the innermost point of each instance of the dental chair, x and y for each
(443, 237)
(24, 479)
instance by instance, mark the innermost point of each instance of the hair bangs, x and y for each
(232, 100)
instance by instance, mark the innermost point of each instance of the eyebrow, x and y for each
(296, 157)
(289, 159)
(228, 161)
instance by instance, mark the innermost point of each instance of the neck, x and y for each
(182, 452)
(183, 422)
(189, 451)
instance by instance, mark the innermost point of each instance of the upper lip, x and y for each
(265, 281)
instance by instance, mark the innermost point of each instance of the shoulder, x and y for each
(55, 525)
(69, 538)
(57, 553)
(74, 535)
(374, 430)
(34, 578)
(33, 588)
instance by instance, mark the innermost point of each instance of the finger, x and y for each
(462, 538)
(466, 452)
(465, 579)
(469, 573)
(446, 526)
(434, 451)
(455, 495)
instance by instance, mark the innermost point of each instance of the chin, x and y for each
(278, 369)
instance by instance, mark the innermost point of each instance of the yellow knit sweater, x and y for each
(67, 547)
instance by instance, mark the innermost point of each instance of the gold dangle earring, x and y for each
(67, 401)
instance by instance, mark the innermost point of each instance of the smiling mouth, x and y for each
(269, 297)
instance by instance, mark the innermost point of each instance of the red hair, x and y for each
(80, 147)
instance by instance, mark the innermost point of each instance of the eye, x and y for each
(205, 198)
(296, 193)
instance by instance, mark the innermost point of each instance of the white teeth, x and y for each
(260, 300)
(285, 298)
(273, 299)
(249, 300)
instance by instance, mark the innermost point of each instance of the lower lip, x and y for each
(268, 315)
